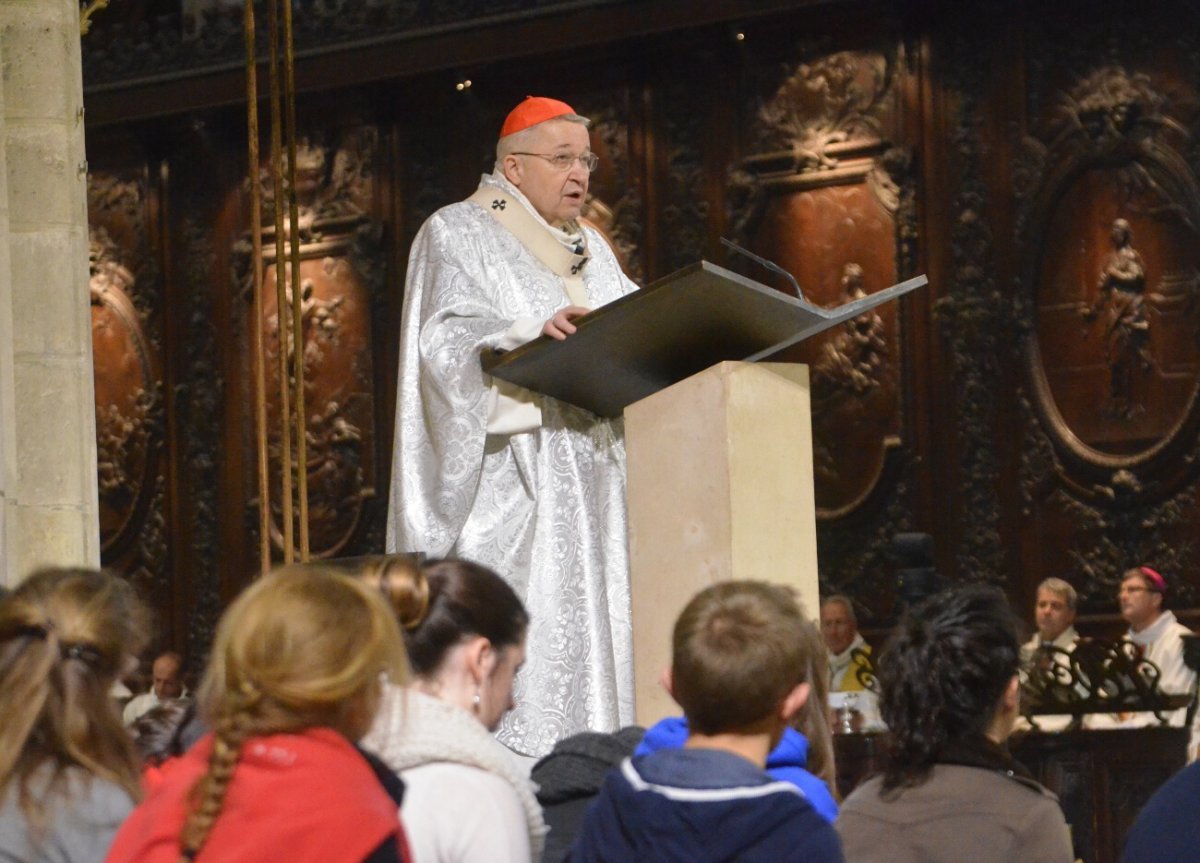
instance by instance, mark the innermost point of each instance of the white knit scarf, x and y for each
(413, 729)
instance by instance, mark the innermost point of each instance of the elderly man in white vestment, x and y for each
(483, 470)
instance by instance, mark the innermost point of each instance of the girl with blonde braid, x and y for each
(293, 682)
(68, 771)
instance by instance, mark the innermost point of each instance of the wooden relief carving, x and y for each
(827, 197)
(198, 35)
(1109, 208)
(1114, 360)
(685, 211)
(616, 213)
(333, 190)
(975, 319)
(126, 306)
(824, 205)
(199, 404)
(126, 404)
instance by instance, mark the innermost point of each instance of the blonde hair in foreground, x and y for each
(64, 636)
(304, 647)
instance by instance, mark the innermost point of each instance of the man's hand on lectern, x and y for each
(560, 326)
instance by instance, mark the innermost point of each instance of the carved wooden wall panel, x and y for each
(823, 195)
(126, 302)
(340, 280)
(1035, 408)
(1105, 240)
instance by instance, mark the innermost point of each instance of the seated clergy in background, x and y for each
(1054, 613)
(1158, 637)
(166, 684)
(839, 627)
(1055, 617)
(527, 485)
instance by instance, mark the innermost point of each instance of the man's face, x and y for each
(1053, 614)
(167, 682)
(837, 627)
(1140, 606)
(558, 196)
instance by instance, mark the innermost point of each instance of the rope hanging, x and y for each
(287, 269)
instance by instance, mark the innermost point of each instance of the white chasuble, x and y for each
(543, 505)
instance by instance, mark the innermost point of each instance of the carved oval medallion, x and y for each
(126, 411)
(1115, 358)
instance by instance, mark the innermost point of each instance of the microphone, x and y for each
(770, 265)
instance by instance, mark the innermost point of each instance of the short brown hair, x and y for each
(738, 650)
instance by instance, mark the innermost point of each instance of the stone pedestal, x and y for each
(720, 486)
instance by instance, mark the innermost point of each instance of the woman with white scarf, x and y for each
(467, 798)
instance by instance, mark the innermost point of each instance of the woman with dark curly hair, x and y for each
(950, 791)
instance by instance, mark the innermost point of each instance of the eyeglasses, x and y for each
(564, 161)
(1134, 590)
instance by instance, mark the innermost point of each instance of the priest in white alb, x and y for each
(483, 470)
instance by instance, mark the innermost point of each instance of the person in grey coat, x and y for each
(950, 791)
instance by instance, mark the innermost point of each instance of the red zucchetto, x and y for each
(534, 110)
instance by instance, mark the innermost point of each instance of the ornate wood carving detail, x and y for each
(823, 147)
(853, 554)
(685, 210)
(126, 299)
(975, 320)
(199, 404)
(118, 205)
(619, 217)
(1113, 174)
(128, 406)
(832, 100)
(341, 277)
(428, 178)
(824, 161)
(207, 34)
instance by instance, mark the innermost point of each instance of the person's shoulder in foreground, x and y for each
(1167, 829)
(741, 661)
(959, 813)
(949, 790)
(788, 761)
(702, 805)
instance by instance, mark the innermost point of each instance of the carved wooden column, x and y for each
(48, 443)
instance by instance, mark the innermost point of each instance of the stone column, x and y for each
(48, 491)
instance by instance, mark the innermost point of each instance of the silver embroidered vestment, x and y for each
(545, 508)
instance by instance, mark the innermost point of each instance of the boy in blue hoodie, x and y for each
(738, 662)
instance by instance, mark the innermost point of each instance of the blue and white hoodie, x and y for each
(701, 806)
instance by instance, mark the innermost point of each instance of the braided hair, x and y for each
(304, 647)
(942, 676)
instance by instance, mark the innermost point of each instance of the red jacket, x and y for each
(294, 798)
